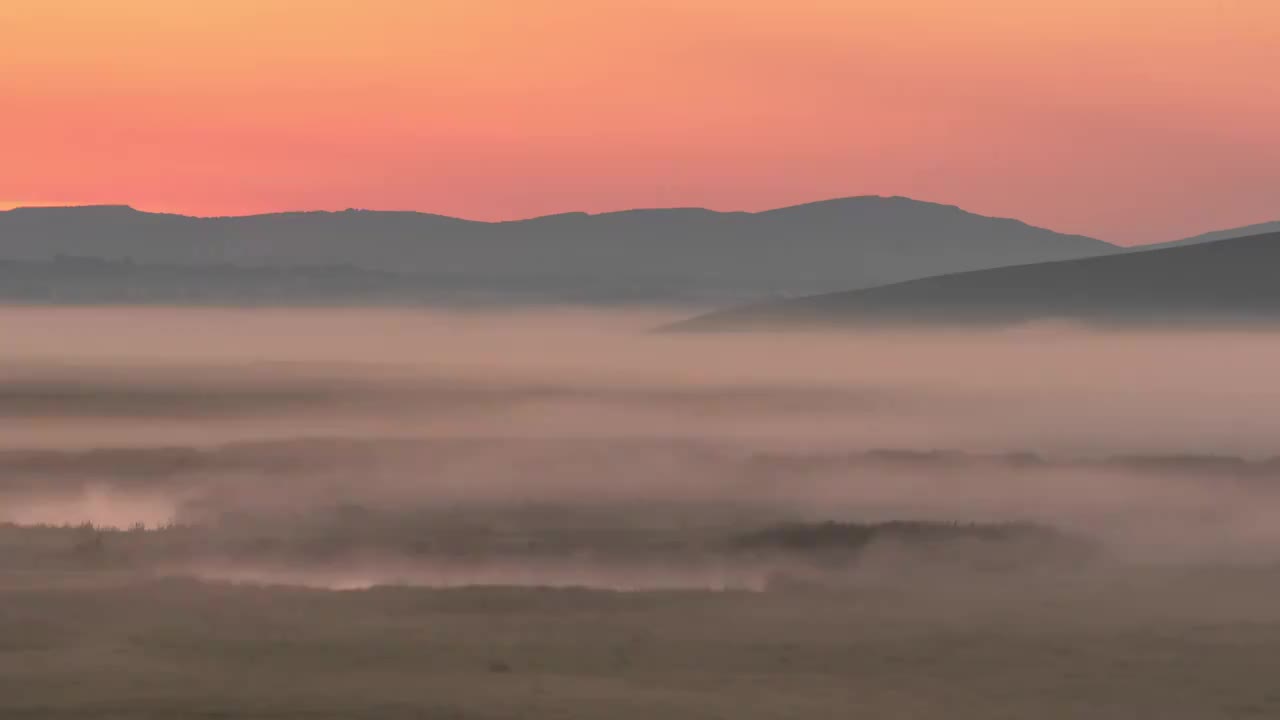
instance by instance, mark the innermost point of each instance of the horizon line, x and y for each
(28, 205)
(9, 206)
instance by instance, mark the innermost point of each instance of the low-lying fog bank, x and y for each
(351, 448)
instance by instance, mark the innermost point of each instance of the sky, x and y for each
(1128, 120)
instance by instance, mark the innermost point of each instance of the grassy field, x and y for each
(1169, 644)
(360, 515)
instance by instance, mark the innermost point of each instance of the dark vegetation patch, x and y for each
(803, 537)
(984, 546)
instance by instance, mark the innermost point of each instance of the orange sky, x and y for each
(1131, 120)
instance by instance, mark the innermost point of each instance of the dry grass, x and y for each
(1167, 645)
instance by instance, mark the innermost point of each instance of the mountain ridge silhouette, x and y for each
(678, 255)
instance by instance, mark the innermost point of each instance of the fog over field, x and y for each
(408, 514)
(253, 374)
(499, 429)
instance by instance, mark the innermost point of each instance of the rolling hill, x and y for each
(1227, 234)
(1235, 281)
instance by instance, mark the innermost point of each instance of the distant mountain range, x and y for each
(1233, 281)
(1245, 231)
(104, 254)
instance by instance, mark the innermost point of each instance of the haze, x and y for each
(524, 402)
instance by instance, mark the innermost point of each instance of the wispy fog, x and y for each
(408, 440)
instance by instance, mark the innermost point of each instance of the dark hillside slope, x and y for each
(1230, 281)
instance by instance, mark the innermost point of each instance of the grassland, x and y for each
(1102, 643)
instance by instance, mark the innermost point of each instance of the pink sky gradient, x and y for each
(1128, 120)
